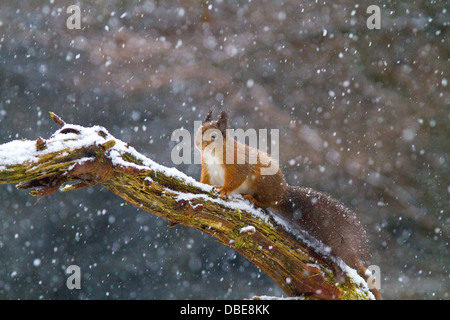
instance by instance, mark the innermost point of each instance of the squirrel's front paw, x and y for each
(223, 193)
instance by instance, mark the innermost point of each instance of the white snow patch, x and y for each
(232, 203)
(246, 229)
(277, 298)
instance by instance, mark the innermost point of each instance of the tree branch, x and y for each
(78, 157)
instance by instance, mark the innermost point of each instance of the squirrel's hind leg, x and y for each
(253, 200)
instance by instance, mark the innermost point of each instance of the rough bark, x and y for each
(88, 156)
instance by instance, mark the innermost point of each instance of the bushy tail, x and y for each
(330, 222)
(327, 220)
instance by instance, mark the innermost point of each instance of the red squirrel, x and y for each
(321, 216)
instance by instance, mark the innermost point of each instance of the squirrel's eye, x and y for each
(213, 136)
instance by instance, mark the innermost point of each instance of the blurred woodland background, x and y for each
(363, 115)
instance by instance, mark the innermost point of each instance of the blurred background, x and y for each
(363, 115)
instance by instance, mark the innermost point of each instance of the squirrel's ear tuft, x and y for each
(208, 117)
(222, 122)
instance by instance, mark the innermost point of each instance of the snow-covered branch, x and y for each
(76, 157)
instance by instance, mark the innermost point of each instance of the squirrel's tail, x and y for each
(330, 222)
